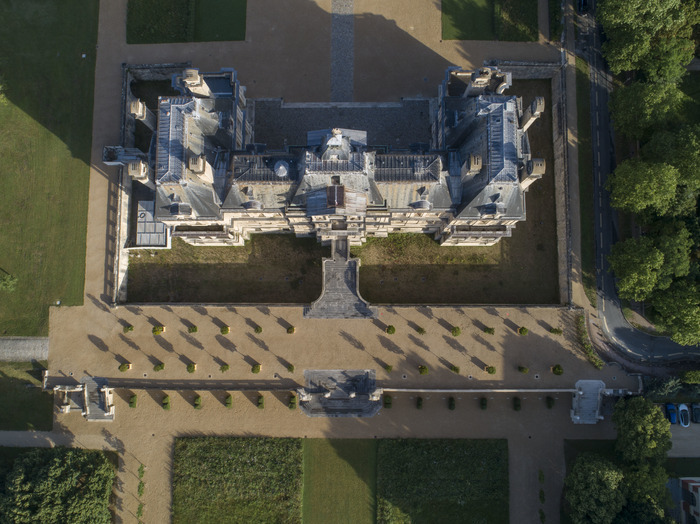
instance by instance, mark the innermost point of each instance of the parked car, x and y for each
(695, 413)
(684, 415)
(671, 413)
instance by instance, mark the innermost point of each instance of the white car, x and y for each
(684, 415)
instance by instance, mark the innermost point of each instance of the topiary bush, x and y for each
(423, 370)
(516, 403)
(387, 401)
(542, 517)
(224, 368)
(192, 329)
(524, 370)
(388, 368)
(128, 328)
(225, 330)
(550, 402)
(540, 476)
(261, 402)
(141, 488)
(556, 331)
(491, 370)
(419, 403)
(557, 369)
(124, 366)
(159, 367)
(451, 403)
(191, 368)
(255, 369)
(483, 403)
(132, 401)
(541, 496)
(522, 330)
(292, 402)
(454, 369)
(197, 402)
(390, 330)
(158, 330)
(290, 368)
(420, 330)
(456, 331)
(291, 330)
(139, 511)
(228, 402)
(489, 330)
(166, 402)
(258, 329)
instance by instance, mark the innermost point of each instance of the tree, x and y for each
(58, 485)
(593, 490)
(643, 433)
(640, 106)
(636, 263)
(674, 242)
(636, 186)
(678, 308)
(681, 149)
(644, 487)
(8, 282)
(668, 57)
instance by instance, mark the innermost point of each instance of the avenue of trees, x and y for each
(649, 44)
(629, 488)
(59, 485)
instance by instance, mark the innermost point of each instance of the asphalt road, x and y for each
(632, 343)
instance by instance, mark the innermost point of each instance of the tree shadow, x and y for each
(258, 342)
(98, 303)
(546, 325)
(98, 343)
(352, 340)
(478, 362)
(479, 324)
(425, 311)
(225, 343)
(512, 325)
(452, 342)
(418, 342)
(250, 323)
(445, 324)
(191, 340)
(218, 322)
(200, 309)
(484, 342)
(129, 342)
(282, 322)
(167, 346)
(389, 345)
(381, 325)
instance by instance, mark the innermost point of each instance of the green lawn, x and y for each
(442, 481)
(585, 178)
(489, 20)
(339, 481)
(27, 406)
(166, 21)
(556, 22)
(238, 480)
(46, 98)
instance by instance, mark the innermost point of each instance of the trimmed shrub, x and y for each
(388, 368)
(516, 403)
(292, 402)
(291, 330)
(192, 329)
(290, 368)
(255, 369)
(261, 402)
(691, 377)
(557, 369)
(420, 330)
(542, 517)
(224, 368)
(540, 476)
(541, 495)
(159, 367)
(489, 330)
(141, 488)
(128, 328)
(387, 401)
(132, 401)
(423, 370)
(419, 403)
(524, 370)
(142, 470)
(258, 329)
(191, 368)
(166, 402)
(124, 366)
(228, 402)
(483, 402)
(390, 330)
(522, 330)
(550, 402)
(556, 331)
(197, 402)
(451, 403)
(139, 511)
(456, 331)
(491, 370)
(454, 369)
(225, 330)
(586, 342)
(158, 330)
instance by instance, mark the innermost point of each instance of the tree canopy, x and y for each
(681, 149)
(679, 310)
(643, 433)
(636, 263)
(593, 490)
(636, 186)
(59, 485)
(675, 243)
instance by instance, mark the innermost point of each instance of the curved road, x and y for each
(632, 343)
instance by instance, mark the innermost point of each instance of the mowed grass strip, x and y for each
(467, 20)
(339, 481)
(46, 99)
(442, 481)
(237, 480)
(27, 405)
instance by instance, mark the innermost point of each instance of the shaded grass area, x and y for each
(436, 481)
(412, 268)
(585, 179)
(514, 20)
(556, 22)
(683, 467)
(237, 480)
(168, 21)
(339, 481)
(268, 269)
(27, 406)
(46, 99)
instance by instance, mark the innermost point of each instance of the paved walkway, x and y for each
(24, 349)
(342, 50)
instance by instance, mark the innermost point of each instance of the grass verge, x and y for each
(339, 481)
(514, 20)
(27, 406)
(585, 179)
(556, 24)
(170, 21)
(442, 481)
(237, 480)
(46, 99)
